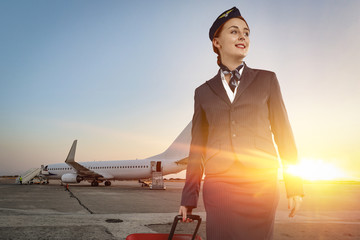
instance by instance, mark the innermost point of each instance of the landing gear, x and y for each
(107, 183)
(94, 183)
(145, 183)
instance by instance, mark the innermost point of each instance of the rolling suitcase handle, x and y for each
(178, 218)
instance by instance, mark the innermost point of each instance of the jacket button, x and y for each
(234, 135)
(233, 122)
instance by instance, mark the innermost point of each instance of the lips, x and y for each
(240, 45)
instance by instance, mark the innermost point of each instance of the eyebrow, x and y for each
(239, 28)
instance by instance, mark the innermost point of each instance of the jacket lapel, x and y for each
(217, 86)
(247, 76)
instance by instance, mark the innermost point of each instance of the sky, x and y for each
(119, 76)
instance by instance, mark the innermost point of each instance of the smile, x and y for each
(241, 45)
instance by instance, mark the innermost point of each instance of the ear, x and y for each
(216, 43)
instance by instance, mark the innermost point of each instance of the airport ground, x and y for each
(330, 211)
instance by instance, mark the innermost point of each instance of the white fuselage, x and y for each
(116, 170)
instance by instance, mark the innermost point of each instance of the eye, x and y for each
(233, 32)
(247, 34)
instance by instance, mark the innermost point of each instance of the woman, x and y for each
(237, 114)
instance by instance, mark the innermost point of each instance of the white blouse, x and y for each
(230, 93)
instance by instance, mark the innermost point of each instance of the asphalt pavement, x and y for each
(84, 212)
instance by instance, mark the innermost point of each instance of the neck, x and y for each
(231, 64)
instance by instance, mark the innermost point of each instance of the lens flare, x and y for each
(310, 169)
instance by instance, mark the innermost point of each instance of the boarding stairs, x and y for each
(28, 175)
(157, 180)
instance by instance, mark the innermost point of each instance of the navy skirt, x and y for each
(241, 206)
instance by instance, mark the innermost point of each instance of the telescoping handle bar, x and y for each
(178, 218)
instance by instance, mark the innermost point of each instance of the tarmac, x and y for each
(330, 211)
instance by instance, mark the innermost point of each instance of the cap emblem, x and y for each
(226, 14)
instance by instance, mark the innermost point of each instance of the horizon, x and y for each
(175, 178)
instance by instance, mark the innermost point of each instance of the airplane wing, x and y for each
(83, 171)
(80, 169)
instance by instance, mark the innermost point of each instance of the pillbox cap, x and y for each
(220, 20)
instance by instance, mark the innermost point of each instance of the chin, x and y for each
(240, 56)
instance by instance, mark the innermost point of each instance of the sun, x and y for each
(310, 169)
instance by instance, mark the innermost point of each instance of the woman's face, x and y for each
(233, 41)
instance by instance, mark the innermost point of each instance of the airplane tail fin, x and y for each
(179, 149)
(71, 155)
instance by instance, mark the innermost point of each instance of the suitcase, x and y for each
(171, 235)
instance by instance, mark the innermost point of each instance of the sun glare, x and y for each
(310, 169)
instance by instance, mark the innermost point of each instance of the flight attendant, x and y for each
(237, 115)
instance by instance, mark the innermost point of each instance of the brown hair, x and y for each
(217, 34)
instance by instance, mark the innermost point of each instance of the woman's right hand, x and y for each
(184, 211)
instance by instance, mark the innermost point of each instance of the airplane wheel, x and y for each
(107, 183)
(94, 183)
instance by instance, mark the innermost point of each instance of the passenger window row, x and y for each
(109, 167)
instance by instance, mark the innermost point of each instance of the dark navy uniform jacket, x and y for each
(225, 132)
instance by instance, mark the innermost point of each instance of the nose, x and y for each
(241, 36)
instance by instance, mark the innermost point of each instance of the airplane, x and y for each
(172, 160)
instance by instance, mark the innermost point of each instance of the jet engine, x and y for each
(71, 178)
